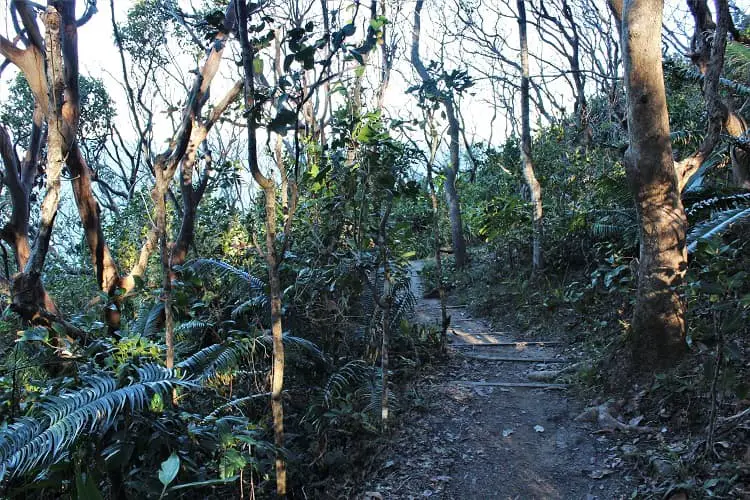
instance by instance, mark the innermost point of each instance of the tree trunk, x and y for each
(273, 258)
(658, 327)
(277, 371)
(451, 193)
(445, 320)
(451, 171)
(527, 163)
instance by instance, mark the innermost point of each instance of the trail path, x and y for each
(481, 428)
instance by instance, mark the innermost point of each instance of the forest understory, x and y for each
(374, 249)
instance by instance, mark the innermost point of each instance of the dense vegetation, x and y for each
(232, 225)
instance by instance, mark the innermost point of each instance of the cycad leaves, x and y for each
(31, 443)
(716, 225)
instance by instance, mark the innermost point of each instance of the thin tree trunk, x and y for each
(451, 171)
(445, 320)
(451, 193)
(386, 303)
(658, 327)
(527, 163)
(272, 257)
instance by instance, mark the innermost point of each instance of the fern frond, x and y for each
(720, 223)
(225, 270)
(372, 395)
(151, 327)
(139, 327)
(215, 359)
(695, 183)
(192, 326)
(44, 439)
(290, 341)
(351, 374)
(719, 202)
(252, 304)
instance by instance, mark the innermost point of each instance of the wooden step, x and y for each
(506, 344)
(527, 385)
(470, 334)
(515, 359)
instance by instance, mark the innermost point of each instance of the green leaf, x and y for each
(258, 66)
(86, 488)
(38, 333)
(169, 469)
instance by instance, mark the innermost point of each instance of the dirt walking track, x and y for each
(490, 425)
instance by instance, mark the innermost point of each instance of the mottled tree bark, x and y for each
(658, 326)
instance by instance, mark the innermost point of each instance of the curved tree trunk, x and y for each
(527, 162)
(451, 171)
(658, 327)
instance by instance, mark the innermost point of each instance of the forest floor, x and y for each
(469, 433)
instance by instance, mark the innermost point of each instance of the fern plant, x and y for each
(718, 224)
(45, 437)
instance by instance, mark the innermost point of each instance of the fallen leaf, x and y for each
(635, 420)
(598, 474)
(539, 428)
(374, 495)
(444, 479)
(507, 432)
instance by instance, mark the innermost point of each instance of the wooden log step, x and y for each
(506, 344)
(528, 385)
(515, 359)
(470, 334)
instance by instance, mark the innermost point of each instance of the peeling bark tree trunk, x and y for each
(527, 163)
(658, 327)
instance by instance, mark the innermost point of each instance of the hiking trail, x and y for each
(490, 423)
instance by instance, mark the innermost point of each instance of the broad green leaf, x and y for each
(169, 469)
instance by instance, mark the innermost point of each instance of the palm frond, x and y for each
(738, 88)
(719, 223)
(615, 224)
(404, 298)
(44, 439)
(737, 59)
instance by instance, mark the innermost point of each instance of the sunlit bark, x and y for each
(658, 326)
